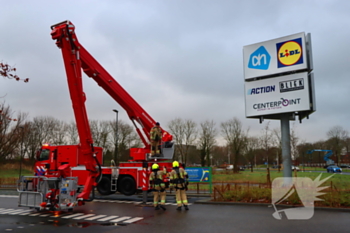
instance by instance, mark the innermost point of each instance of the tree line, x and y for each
(196, 143)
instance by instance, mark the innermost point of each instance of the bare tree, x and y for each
(9, 72)
(72, 133)
(266, 141)
(11, 132)
(337, 139)
(277, 142)
(206, 141)
(100, 131)
(294, 140)
(127, 138)
(184, 133)
(252, 146)
(236, 139)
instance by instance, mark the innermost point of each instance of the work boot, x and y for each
(178, 208)
(186, 207)
(156, 208)
(163, 208)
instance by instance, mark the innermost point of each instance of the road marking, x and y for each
(107, 218)
(133, 220)
(77, 216)
(45, 215)
(73, 215)
(36, 214)
(10, 196)
(84, 216)
(96, 217)
(19, 211)
(7, 211)
(120, 219)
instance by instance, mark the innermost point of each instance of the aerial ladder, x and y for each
(66, 175)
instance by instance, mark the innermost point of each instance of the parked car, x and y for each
(295, 168)
(276, 166)
(333, 169)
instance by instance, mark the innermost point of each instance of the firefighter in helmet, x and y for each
(178, 180)
(156, 138)
(158, 186)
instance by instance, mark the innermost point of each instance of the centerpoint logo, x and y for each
(289, 53)
(307, 191)
(276, 104)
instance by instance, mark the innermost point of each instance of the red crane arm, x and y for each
(70, 52)
(94, 70)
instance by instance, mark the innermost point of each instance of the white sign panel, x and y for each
(289, 93)
(276, 56)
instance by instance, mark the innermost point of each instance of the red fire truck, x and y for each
(66, 175)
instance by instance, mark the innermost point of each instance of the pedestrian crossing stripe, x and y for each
(75, 216)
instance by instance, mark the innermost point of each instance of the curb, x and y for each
(209, 202)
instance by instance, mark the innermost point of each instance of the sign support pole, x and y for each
(286, 152)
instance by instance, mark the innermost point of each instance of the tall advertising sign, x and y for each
(277, 77)
(282, 55)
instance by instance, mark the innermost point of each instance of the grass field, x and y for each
(336, 195)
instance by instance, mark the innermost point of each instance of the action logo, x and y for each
(261, 90)
(289, 53)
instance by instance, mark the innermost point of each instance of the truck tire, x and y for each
(127, 185)
(104, 186)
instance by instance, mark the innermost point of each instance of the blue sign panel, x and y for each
(198, 174)
(260, 59)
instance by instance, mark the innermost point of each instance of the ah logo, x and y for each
(289, 53)
(260, 59)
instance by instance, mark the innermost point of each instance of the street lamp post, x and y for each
(21, 158)
(116, 137)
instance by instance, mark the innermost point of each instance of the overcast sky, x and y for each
(177, 58)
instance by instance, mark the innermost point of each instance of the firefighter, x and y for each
(178, 180)
(156, 138)
(158, 186)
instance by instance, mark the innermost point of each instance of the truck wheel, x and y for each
(127, 185)
(104, 186)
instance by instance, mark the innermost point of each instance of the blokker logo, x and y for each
(260, 59)
(289, 53)
(304, 187)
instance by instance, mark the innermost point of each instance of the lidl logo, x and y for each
(260, 59)
(289, 53)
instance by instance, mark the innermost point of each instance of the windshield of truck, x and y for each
(44, 154)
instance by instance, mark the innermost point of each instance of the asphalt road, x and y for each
(129, 216)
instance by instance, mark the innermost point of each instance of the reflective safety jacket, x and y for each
(156, 180)
(156, 134)
(178, 178)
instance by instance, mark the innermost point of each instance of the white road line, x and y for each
(84, 216)
(10, 196)
(107, 218)
(44, 215)
(6, 211)
(20, 211)
(73, 215)
(36, 214)
(120, 219)
(133, 220)
(96, 217)
(26, 213)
